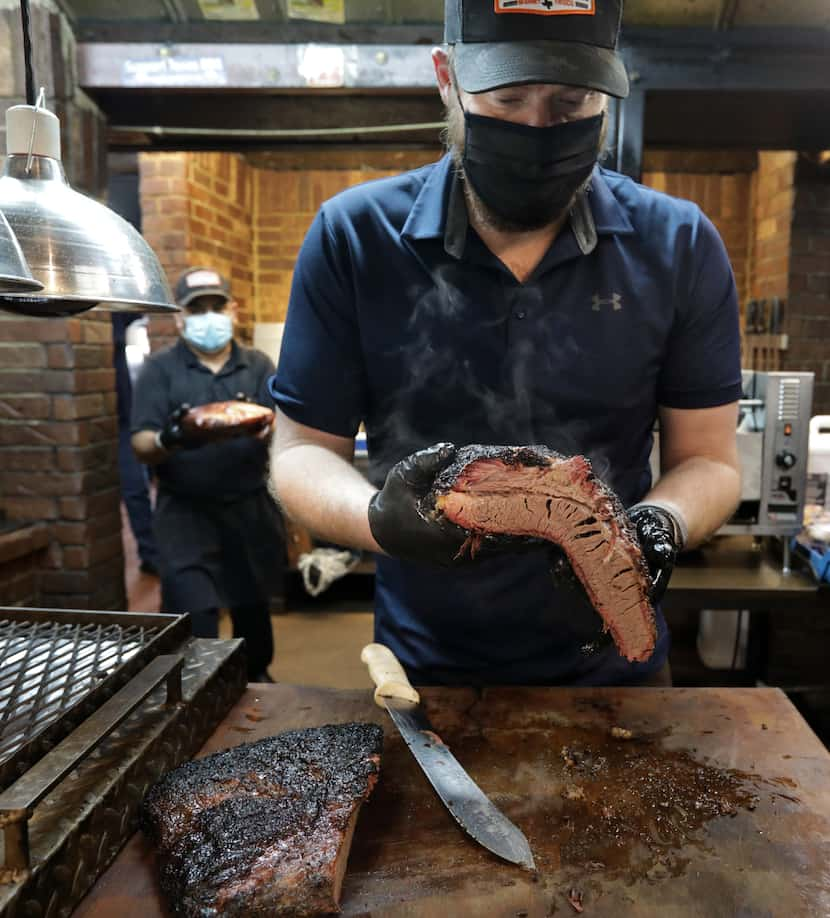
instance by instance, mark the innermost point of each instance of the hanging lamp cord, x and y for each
(25, 18)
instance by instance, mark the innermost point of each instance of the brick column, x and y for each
(58, 423)
(165, 224)
(22, 553)
(773, 192)
(59, 453)
(197, 209)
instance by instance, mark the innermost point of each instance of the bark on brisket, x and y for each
(532, 491)
(235, 415)
(263, 828)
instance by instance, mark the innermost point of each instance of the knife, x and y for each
(471, 809)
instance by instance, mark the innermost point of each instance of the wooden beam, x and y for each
(351, 157)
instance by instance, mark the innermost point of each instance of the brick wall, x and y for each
(247, 215)
(286, 204)
(773, 194)
(197, 209)
(221, 225)
(165, 224)
(22, 558)
(247, 220)
(58, 453)
(807, 314)
(791, 259)
(721, 184)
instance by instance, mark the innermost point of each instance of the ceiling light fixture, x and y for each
(84, 254)
(14, 272)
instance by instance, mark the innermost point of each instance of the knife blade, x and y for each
(465, 800)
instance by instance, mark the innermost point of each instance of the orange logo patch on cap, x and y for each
(546, 7)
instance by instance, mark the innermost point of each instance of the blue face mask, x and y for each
(208, 331)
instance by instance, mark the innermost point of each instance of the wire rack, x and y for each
(45, 668)
(57, 666)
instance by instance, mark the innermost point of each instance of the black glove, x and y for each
(658, 535)
(396, 517)
(405, 527)
(660, 539)
(174, 436)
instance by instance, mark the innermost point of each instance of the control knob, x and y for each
(785, 459)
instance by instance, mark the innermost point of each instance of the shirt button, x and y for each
(519, 313)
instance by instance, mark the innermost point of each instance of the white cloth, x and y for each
(320, 567)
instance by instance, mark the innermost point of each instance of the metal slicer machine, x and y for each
(773, 434)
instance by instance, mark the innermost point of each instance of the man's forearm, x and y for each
(704, 490)
(146, 448)
(324, 493)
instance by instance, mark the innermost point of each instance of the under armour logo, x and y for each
(614, 301)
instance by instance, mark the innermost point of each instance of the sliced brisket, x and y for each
(533, 491)
(264, 828)
(235, 417)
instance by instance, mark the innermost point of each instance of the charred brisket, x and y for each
(531, 491)
(232, 417)
(263, 828)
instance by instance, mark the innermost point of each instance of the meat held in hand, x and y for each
(531, 491)
(219, 420)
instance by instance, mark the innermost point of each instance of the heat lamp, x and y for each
(83, 254)
(14, 272)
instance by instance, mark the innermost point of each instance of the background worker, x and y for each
(219, 533)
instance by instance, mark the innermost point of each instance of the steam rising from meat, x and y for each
(504, 399)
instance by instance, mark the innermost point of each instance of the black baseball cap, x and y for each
(507, 42)
(196, 282)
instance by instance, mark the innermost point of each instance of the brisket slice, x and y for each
(232, 416)
(264, 828)
(532, 491)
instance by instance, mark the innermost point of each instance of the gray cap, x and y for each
(196, 282)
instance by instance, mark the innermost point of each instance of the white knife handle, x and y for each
(388, 675)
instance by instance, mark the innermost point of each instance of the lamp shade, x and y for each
(14, 272)
(85, 255)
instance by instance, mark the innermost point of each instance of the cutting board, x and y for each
(717, 805)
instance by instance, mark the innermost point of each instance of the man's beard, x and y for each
(454, 134)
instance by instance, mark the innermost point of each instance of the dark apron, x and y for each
(218, 553)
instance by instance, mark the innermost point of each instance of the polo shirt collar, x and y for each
(609, 214)
(440, 211)
(427, 217)
(581, 223)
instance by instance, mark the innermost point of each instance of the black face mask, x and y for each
(528, 175)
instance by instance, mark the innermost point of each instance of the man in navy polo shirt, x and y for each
(512, 293)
